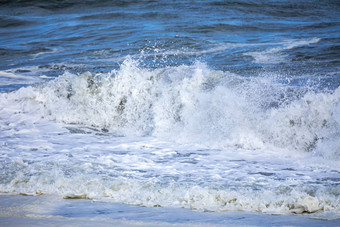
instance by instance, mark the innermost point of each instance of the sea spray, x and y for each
(231, 106)
(189, 103)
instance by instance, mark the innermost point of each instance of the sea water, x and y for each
(215, 106)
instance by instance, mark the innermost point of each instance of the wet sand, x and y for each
(48, 210)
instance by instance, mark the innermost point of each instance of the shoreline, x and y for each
(51, 210)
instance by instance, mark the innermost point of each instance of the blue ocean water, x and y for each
(206, 105)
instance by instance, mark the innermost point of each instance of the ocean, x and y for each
(170, 112)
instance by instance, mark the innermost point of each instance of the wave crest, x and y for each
(193, 104)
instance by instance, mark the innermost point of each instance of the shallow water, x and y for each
(51, 210)
(211, 106)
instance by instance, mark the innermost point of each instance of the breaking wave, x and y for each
(190, 103)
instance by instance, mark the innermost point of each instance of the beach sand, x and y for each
(49, 210)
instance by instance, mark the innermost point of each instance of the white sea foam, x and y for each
(153, 193)
(37, 55)
(241, 143)
(275, 54)
(191, 103)
(9, 78)
(153, 173)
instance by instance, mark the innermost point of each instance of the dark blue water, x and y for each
(298, 40)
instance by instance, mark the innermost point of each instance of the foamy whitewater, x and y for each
(195, 120)
(192, 137)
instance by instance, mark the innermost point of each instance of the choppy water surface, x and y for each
(208, 105)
